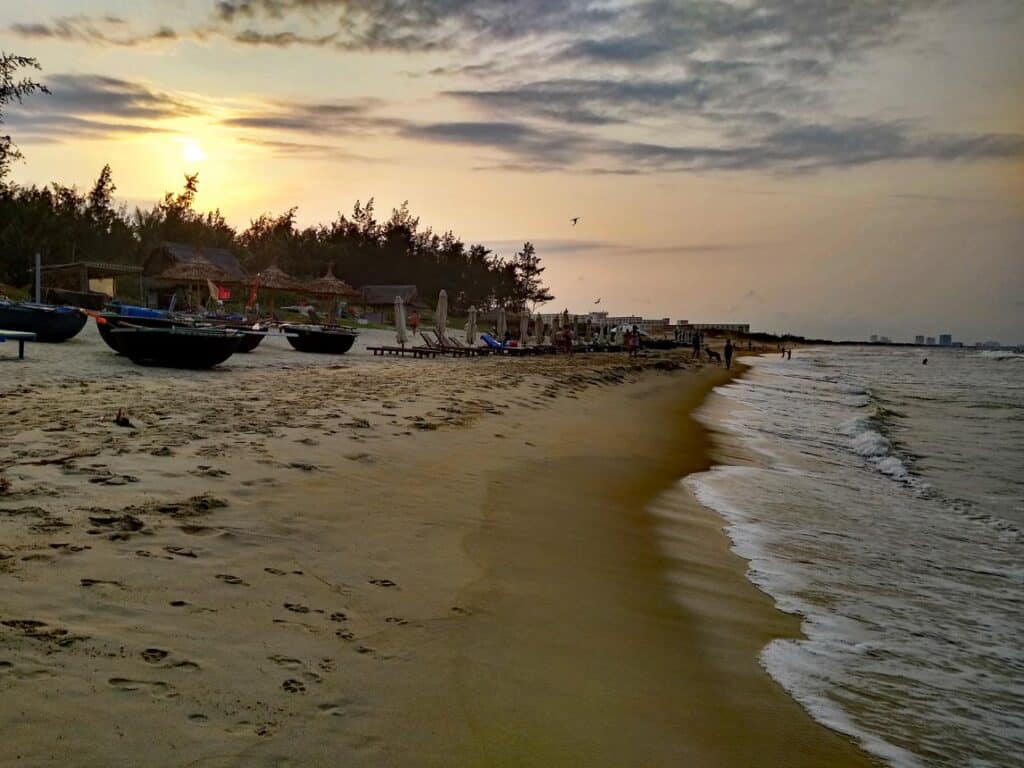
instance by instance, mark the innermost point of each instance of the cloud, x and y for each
(95, 30)
(300, 150)
(95, 106)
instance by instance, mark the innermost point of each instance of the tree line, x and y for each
(65, 225)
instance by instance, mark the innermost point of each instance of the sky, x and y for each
(833, 168)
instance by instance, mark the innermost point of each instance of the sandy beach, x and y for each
(300, 560)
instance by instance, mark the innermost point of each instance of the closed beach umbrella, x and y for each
(524, 327)
(442, 312)
(502, 325)
(471, 327)
(538, 330)
(400, 333)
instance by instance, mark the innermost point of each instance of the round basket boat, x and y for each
(177, 347)
(321, 339)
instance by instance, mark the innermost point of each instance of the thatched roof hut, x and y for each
(329, 285)
(273, 278)
(180, 263)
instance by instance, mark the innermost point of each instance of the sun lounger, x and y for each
(504, 349)
(19, 336)
(416, 352)
(438, 345)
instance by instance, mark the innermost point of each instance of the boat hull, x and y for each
(320, 340)
(50, 324)
(194, 348)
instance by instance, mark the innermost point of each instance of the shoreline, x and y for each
(434, 564)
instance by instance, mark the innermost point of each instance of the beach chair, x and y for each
(503, 349)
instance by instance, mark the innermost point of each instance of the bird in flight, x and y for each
(574, 220)
(598, 300)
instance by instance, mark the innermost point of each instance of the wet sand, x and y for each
(317, 561)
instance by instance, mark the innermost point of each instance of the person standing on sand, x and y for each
(634, 342)
(728, 353)
(696, 346)
(414, 321)
(789, 353)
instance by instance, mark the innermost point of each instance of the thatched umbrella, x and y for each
(471, 327)
(400, 333)
(441, 318)
(524, 327)
(329, 285)
(502, 324)
(275, 279)
(194, 272)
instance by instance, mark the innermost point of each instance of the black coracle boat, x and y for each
(127, 316)
(176, 346)
(49, 323)
(323, 339)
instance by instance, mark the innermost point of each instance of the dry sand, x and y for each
(298, 560)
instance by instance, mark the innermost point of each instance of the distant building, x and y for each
(919, 340)
(874, 338)
(723, 327)
(945, 340)
(884, 340)
(930, 341)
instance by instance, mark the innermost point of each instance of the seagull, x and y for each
(574, 220)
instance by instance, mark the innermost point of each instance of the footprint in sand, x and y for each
(294, 686)
(227, 578)
(179, 603)
(181, 551)
(345, 634)
(156, 688)
(274, 571)
(94, 582)
(153, 655)
(198, 719)
(297, 607)
(286, 661)
(395, 620)
(383, 582)
(338, 616)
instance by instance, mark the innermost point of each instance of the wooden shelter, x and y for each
(89, 284)
(170, 266)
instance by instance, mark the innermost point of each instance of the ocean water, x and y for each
(884, 503)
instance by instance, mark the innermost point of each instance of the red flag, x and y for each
(252, 294)
(223, 293)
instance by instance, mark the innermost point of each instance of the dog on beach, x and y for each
(713, 357)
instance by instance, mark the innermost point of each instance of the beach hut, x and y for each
(170, 266)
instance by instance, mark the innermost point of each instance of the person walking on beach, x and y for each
(634, 342)
(728, 353)
(696, 346)
(789, 353)
(414, 321)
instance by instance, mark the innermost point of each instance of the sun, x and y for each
(192, 152)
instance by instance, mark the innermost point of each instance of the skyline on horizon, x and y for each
(857, 170)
